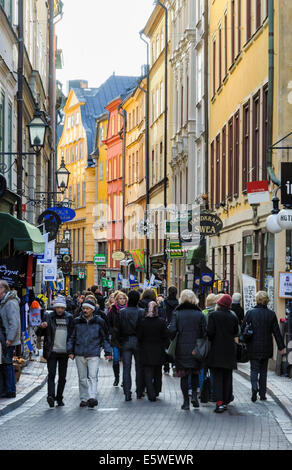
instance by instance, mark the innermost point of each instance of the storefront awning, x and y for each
(26, 237)
(196, 255)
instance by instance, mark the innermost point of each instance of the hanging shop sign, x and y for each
(257, 192)
(65, 213)
(51, 221)
(286, 183)
(175, 251)
(14, 270)
(189, 231)
(118, 255)
(285, 285)
(99, 259)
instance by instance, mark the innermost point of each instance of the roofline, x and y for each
(154, 15)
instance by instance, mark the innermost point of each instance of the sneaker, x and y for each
(60, 403)
(219, 409)
(116, 383)
(128, 397)
(51, 402)
(83, 404)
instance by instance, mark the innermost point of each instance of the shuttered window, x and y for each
(223, 177)
(245, 145)
(214, 67)
(248, 19)
(236, 153)
(239, 26)
(232, 31)
(230, 157)
(220, 56)
(265, 132)
(212, 177)
(217, 201)
(258, 13)
(226, 43)
(256, 137)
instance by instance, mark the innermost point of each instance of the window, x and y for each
(236, 152)
(153, 157)
(72, 120)
(214, 67)
(161, 159)
(153, 52)
(223, 178)
(217, 200)
(153, 106)
(67, 156)
(265, 132)
(133, 168)
(100, 171)
(113, 125)
(121, 167)
(114, 207)
(121, 206)
(157, 46)
(74, 244)
(137, 165)
(77, 118)
(78, 244)
(258, 13)
(2, 123)
(230, 158)
(220, 55)
(101, 134)
(157, 102)
(129, 178)
(212, 179)
(226, 44)
(109, 170)
(72, 154)
(76, 152)
(239, 26)
(162, 40)
(256, 137)
(68, 122)
(182, 106)
(83, 194)
(81, 150)
(232, 31)
(83, 244)
(245, 145)
(248, 19)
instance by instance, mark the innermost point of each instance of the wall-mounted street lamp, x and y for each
(37, 131)
(62, 175)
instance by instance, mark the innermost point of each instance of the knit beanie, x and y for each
(60, 301)
(89, 304)
(225, 301)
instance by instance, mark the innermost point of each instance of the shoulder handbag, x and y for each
(241, 353)
(206, 389)
(248, 332)
(172, 347)
(202, 349)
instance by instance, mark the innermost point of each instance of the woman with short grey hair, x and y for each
(190, 324)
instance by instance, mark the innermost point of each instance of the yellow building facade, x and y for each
(240, 81)
(135, 180)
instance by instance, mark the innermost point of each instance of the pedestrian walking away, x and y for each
(222, 328)
(56, 328)
(168, 307)
(84, 345)
(236, 307)
(153, 337)
(113, 321)
(129, 319)
(189, 324)
(264, 325)
(10, 317)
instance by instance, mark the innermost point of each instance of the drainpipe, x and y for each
(124, 116)
(270, 170)
(20, 108)
(206, 99)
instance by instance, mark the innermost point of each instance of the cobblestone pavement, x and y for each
(140, 424)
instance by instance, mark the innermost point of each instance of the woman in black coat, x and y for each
(222, 329)
(152, 335)
(190, 324)
(264, 325)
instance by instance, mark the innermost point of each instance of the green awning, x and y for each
(196, 255)
(26, 237)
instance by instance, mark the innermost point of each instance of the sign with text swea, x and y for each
(286, 183)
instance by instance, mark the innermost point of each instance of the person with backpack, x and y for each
(263, 325)
(129, 319)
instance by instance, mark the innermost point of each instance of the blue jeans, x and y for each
(8, 373)
(116, 355)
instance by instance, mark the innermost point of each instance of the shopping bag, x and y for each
(172, 347)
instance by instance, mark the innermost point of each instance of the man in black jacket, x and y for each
(264, 325)
(169, 305)
(84, 345)
(56, 328)
(129, 319)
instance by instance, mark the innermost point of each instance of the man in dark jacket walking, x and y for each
(56, 328)
(129, 319)
(84, 345)
(169, 305)
(264, 325)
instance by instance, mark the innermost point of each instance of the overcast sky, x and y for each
(99, 37)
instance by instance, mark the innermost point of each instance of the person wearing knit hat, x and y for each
(84, 345)
(56, 328)
(222, 328)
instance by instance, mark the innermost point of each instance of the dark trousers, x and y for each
(9, 383)
(153, 380)
(191, 380)
(62, 361)
(128, 354)
(222, 383)
(258, 375)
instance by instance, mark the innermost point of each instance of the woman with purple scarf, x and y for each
(120, 302)
(152, 334)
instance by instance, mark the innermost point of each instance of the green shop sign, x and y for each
(99, 260)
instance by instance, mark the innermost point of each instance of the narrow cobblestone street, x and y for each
(120, 425)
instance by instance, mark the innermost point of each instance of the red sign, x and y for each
(257, 186)
(23, 207)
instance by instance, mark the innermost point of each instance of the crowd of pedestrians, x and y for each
(158, 334)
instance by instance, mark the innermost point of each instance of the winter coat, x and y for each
(222, 328)
(190, 324)
(10, 315)
(143, 303)
(113, 323)
(264, 325)
(237, 308)
(100, 300)
(50, 331)
(3, 352)
(129, 319)
(152, 336)
(88, 337)
(169, 307)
